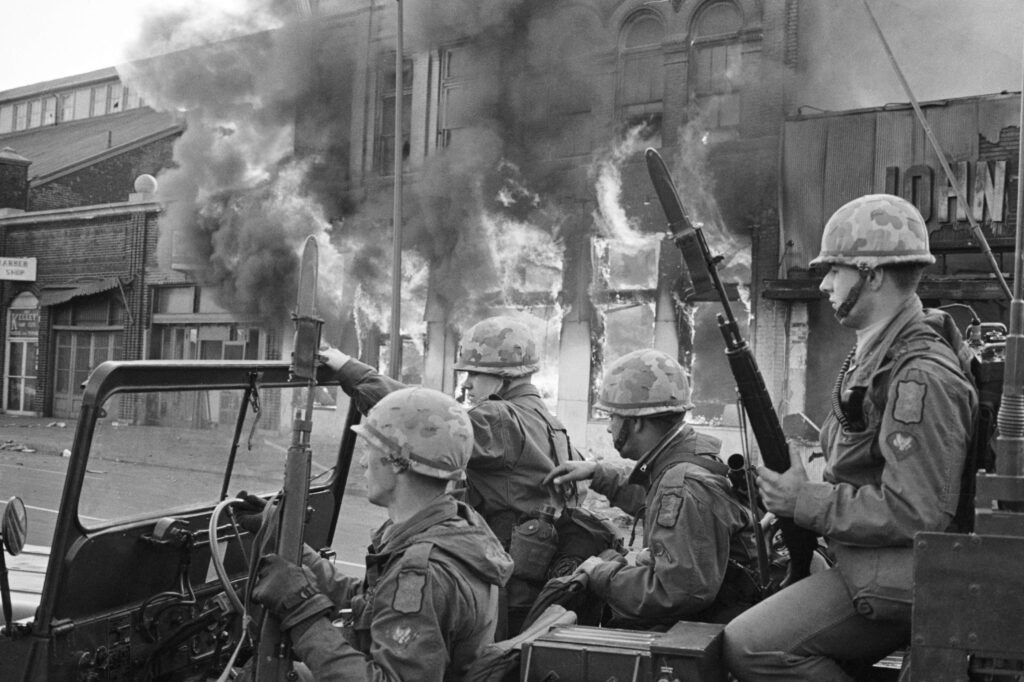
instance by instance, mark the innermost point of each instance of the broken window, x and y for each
(625, 294)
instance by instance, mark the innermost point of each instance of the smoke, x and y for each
(695, 181)
(850, 70)
(265, 159)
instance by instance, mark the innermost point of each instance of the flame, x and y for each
(526, 257)
(605, 172)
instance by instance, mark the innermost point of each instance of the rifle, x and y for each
(750, 386)
(272, 662)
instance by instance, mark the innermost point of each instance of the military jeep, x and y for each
(146, 563)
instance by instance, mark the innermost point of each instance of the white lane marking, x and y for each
(54, 511)
(42, 471)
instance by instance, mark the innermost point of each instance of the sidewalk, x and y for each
(30, 435)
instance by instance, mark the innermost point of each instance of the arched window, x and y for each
(641, 70)
(715, 60)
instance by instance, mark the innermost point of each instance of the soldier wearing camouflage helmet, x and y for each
(426, 607)
(698, 537)
(516, 440)
(895, 444)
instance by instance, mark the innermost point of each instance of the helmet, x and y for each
(874, 230)
(423, 428)
(500, 345)
(645, 382)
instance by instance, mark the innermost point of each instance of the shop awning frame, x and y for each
(56, 294)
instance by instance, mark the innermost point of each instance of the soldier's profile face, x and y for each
(838, 282)
(479, 387)
(620, 435)
(380, 476)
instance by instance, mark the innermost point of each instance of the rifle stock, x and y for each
(750, 386)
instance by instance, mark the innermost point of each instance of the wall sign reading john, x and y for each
(982, 182)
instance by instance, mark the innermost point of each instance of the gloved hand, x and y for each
(289, 592)
(607, 556)
(332, 358)
(249, 515)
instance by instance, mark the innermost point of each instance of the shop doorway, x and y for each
(21, 355)
(78, 353)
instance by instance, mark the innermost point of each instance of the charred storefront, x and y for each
(829, 159)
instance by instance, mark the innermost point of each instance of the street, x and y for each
(33, 468)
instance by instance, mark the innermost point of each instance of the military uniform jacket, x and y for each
(693, 526)
(426, 608)
(898, 471)
(516, 442)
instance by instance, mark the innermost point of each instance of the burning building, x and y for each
(524, 187)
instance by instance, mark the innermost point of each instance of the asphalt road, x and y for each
(33, 468)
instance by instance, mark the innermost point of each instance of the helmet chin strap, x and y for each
(623, 435)
(644, 463)
(854, 294)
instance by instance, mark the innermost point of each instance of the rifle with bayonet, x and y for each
(753, 393)
(272, 662)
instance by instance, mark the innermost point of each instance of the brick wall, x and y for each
(108, 181)
(105, 246)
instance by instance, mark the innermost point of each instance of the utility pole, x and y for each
(395, 349)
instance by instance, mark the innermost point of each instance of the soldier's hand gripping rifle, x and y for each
(272, 662)
(753, 394)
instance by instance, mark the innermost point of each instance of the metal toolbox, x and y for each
(689, 652)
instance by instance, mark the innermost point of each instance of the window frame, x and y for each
(383, 146)
(633, 58)
(708, 101)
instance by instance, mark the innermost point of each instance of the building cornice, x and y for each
(81, 213)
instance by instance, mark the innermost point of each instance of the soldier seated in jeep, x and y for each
(699, 539)
(516, 440)
(427, 605)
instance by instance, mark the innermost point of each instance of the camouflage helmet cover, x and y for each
(501, 345)
(423, 427)
(875, 230)
(644, 382)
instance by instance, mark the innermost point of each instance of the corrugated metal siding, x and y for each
(956, 128)
(894, 143)
(849, 162)
(803, 167)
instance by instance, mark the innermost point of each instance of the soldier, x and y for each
(699, 539)
(895, 443)
(427, 605)
(516, 441)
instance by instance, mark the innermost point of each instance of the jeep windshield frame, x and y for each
(79, 542)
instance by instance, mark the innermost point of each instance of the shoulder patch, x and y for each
(409, 592)
(668, 510)
(909, 405)
(902, 443)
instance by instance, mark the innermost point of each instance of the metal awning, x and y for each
(55, 294)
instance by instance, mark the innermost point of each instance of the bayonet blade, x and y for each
(683, 232)
(308, 270)
(307, 324)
